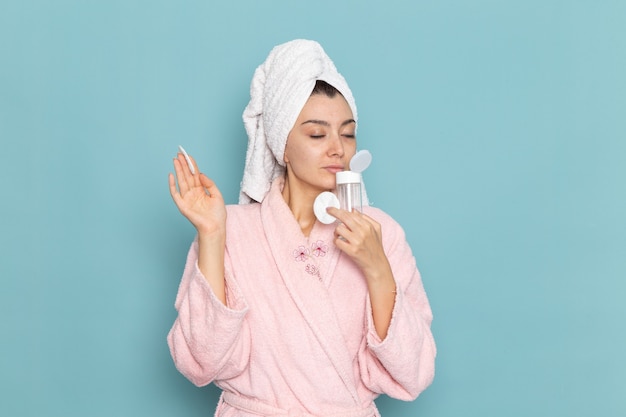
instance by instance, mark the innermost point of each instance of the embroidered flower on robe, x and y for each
(301, 254)
(319, 248)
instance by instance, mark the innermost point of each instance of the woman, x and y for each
(287, 315)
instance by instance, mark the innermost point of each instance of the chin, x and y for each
(323, 183)
(329, 187)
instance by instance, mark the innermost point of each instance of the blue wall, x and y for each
(498, 130)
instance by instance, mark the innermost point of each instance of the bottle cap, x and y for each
(348, 177)
(360, 161)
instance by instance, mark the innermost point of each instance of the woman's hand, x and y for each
(197, 198)
(360, 237)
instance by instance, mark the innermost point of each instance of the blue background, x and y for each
(498, 130)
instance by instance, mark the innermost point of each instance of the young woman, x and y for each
(289, 316)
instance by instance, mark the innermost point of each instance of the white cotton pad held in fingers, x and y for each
(322, 201)
(193, 171)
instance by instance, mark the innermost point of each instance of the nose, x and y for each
(336, 145)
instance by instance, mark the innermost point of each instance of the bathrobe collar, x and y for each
(306, 265)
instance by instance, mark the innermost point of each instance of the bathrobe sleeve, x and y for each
(403, 364)
(208, 340)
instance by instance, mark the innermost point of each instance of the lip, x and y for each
(334, 168)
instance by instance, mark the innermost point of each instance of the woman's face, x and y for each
(321, 143)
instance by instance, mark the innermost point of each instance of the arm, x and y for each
(208, 340)
(403, 364)
(207, 337)
(397, 354)
(201, 202)
(360, 237)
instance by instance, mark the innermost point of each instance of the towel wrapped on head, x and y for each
(278, 92)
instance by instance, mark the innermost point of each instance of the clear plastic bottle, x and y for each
(349, 190)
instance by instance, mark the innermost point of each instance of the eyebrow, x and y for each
(325, 123)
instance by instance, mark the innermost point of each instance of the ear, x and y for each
(285, 157)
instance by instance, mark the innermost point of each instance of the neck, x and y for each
(300, 203)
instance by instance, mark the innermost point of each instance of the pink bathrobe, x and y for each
(297, 337)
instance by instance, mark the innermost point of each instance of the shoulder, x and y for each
(396, 246)
(392, 230)
(243, 213)
(238, 209)
(243, 224)
(381, 217)
(242, 208)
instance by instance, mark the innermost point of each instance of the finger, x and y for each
(343, 233)
(184, 165)
(352, 219)
(194, 174)
(183, 185)
(190, 178)
(196, 170)
(368, 218)
(173, 191)
(189, 163)
(209, 186)
(372, 223)
(339, 214)
(172, 184)
(342, 244)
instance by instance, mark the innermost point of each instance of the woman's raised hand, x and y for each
(197, 197)
(360, 237)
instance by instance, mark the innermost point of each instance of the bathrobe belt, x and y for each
(253, 406)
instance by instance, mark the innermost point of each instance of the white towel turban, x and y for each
(278, 92)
